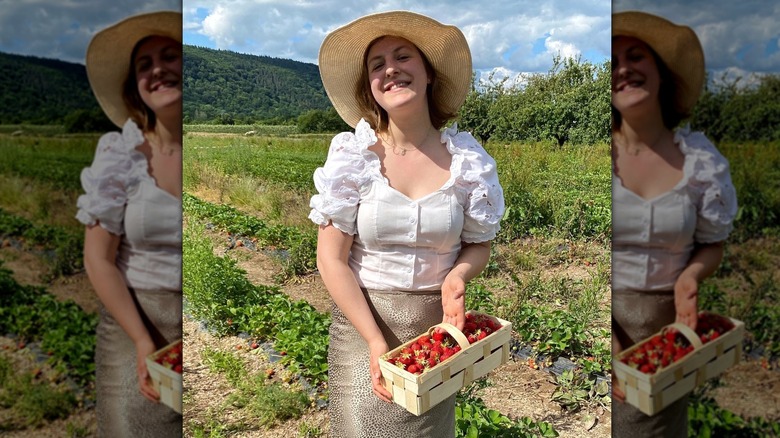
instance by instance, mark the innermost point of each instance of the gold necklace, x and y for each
(403, 150)
(167, 151)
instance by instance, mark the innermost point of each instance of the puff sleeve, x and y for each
(478, 180)
(339, 181)
(106, 181)
(710, 180)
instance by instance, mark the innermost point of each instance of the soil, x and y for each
(29, 269)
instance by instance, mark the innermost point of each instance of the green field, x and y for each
(47, 363)
(549, 273)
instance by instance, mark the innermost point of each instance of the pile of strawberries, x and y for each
(427, 351)
(670, 346)
(171, 358)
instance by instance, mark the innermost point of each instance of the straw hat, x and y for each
(108, 56)
(677, 46)
(342, 51)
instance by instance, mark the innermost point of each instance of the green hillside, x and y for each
(41, 91)
(225, 85)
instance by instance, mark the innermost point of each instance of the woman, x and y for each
(672, 199)
(132, 213)
(406, 213)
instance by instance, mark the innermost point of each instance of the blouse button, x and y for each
(408, 270)
(411, 235)
(412, 220)
(407, 283)
(413, 205)
(409, 256)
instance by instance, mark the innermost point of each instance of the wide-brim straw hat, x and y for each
(108, 56)
(342, 55)
(677, 46)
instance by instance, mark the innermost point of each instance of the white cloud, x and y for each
(734, 35)
(500, 34)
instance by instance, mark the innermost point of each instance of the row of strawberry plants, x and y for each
(218, 292)
(552, 333)
(63, 248)
(65, 332)
(300, 246)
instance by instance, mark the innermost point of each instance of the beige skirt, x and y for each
(354, 410)
(121, 409)
(637, 315)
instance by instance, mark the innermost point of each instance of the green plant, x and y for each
(224, 363)
(268, 403)
(576, 389)
(305, 430)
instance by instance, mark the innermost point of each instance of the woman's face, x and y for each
(157, 66)
(635, 76)
(397, 75)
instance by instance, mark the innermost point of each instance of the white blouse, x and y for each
(400, 243)
(125, 199)
(653, 239)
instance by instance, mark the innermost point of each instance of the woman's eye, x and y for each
(376, 67)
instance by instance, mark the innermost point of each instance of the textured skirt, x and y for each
(121, 409)
(636, 316)
(354, 410)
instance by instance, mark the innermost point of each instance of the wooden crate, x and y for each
(167, 382)
(419, 393)
(651, 393)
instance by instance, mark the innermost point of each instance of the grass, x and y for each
(30, 402)
(253, 401)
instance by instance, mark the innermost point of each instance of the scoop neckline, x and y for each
(447, 184)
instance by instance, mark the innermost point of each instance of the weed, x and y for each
(225, 363)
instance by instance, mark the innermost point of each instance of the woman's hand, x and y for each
(617, 347)
(686, 291)
(617, 391)
(453, 300)
(377, 349)
(143, 349)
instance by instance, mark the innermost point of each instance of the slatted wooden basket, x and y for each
(419, 393)
(166, 381)
(651, 393)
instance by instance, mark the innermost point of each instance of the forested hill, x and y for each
(229, 86)
(41, 91)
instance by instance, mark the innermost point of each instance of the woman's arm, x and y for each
(100, 249)
(471, 261)
(333, 248)
(704, 262)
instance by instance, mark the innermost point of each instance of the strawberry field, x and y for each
(252, 288)
(48, 312)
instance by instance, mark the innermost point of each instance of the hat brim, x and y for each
(108, 56)
(677, 46)
(342, 51)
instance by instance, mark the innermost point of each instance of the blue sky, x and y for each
(507, 37)
(62, 29)
(739, 38)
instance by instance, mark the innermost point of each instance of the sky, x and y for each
(507, 37)
(739, 38)
(62, 29)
